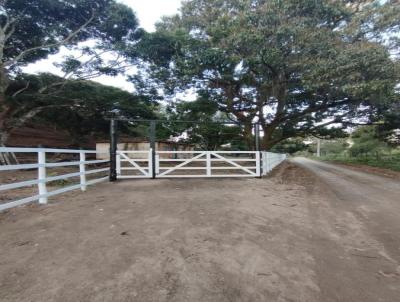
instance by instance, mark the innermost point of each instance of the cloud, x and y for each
(151, 11)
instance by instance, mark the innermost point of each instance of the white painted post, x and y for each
(264, 162)
(82, 170)
(118, 165)
(258, 170)
(42, 176)
(157, 163)
(151, 163)
(208, 162)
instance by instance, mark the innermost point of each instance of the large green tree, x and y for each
(81, 107)
(294, 66)
(205, 126)
(31, 30)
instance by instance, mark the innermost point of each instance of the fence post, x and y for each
(118, 164)
(113, 150)
(152, 159)
(82, 170)
(157, 163)
(263, 163)
(258, 162)
(208, 162)
(152, 134)
(42, 176)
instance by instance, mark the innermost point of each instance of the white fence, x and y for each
(139, 164)
(189, 164)
(43, 178)
(208, 164)
(271, 160)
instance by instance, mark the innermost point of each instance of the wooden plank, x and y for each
(234, 164)
(182, 164)
(131, 161)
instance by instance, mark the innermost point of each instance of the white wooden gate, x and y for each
(178, 164)
(134, 164)
(173, 164)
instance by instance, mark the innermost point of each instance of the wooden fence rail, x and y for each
(43, 178)
(271, 160)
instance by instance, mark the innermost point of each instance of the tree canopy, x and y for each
(82, 107)
(206, 128)
(294, 66)
(31, 30)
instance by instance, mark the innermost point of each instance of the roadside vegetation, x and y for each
(367, 145)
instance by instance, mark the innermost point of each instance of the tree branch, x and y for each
(56, 44)
(21, 90)
(20, 121)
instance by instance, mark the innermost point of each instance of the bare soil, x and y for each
(294, 236)
(35, 134)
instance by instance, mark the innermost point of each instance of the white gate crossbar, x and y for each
(235, 164)
(180, 165)
(133, 163)
(207, 157)
(144, 172)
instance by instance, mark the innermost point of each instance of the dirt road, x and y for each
(313, 234)
(365, 210)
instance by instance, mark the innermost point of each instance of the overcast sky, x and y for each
(148, 13)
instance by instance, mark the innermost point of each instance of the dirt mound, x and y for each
(290, 173)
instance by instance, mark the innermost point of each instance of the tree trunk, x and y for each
(266, 141)
(6, 158)
(248, 136)
(4, 82)
(3, 137)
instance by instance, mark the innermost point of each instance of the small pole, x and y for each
(318, 147)
(257, 147)
(263, 163)
(42, 176)
(82, 170)
(118, 165)
(208, 154)
(150, 164)
(153, 147)
(258, 164)
(113, 150)
(157, 163)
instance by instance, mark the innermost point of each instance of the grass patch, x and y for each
(391, 162)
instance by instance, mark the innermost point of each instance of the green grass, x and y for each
(386, 161)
